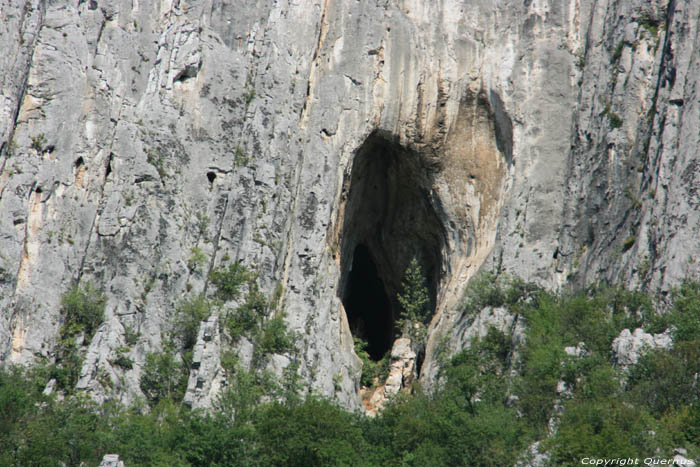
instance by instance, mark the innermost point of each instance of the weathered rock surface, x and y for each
(553, 140)
(402, 373)
(111, 460)
(206, 375)
(628, 347)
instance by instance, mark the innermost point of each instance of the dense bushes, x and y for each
(82, 310)
(163, 377)
(493, 400)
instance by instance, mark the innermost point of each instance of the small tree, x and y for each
(228, 281)
(414, 297)
(163, 377)
(190, 313)
(82, 310)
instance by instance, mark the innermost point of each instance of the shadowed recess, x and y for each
(389, 218)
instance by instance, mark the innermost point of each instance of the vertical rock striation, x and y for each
(552, 140)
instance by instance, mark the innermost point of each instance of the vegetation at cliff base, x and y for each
(492, 400)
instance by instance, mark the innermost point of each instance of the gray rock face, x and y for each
(206, 375)
(553, 140)
(628, 347)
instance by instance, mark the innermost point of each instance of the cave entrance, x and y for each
(389, 217)
(367, 306)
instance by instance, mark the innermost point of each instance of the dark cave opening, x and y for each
(367, 306)
(390, 217)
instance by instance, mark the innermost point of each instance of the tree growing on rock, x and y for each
(414, 299)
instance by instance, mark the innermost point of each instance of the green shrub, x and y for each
(229, 280)
(628, 243)
(487, 289)
(189, 315)
(247, 318)
(275, 337)
(196, 260)
(122, 359)
(82, 310)
(618, 51)
(39, 142)
(606, 426)
(615, 120)
(371, 370)
(244, 392)
(414, 297)
(315, 433)
(163, 377)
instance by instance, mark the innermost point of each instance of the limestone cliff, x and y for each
(553, 140)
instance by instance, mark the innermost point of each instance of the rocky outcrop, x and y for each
(111, 460)
(459, 329)
(551, 140)
(206, 374)
(402, 374)
(628, 347)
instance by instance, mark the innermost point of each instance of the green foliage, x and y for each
(605, 426)
(315, 433)
(202, 223)
(613, 119)
(414, 299)
(238, 402)
(580, 61)
(197, 259)
(371, 371)
(250, 95)
(628, 243)
(241, 158)
(131, 335)
(685, 315)
(618, 51)
(650, 23)
(39, 142)
(487, 289)
(247, 318)
(163, 377)
(275, 337)
(189, 315)
(229, 280)
(82, 310)
(492, 400)
(122, 359)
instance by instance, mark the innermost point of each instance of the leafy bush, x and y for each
(39, 142)
(122, 359)
(189, 315)
(82, 310)
(414, 299)
(275, 337)
(247, 318)
(196, 260)
(229, 280)
(315, 433)
(245, 391)
(487, 289)
(492, 401)
(371, 370)
(163, 377)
